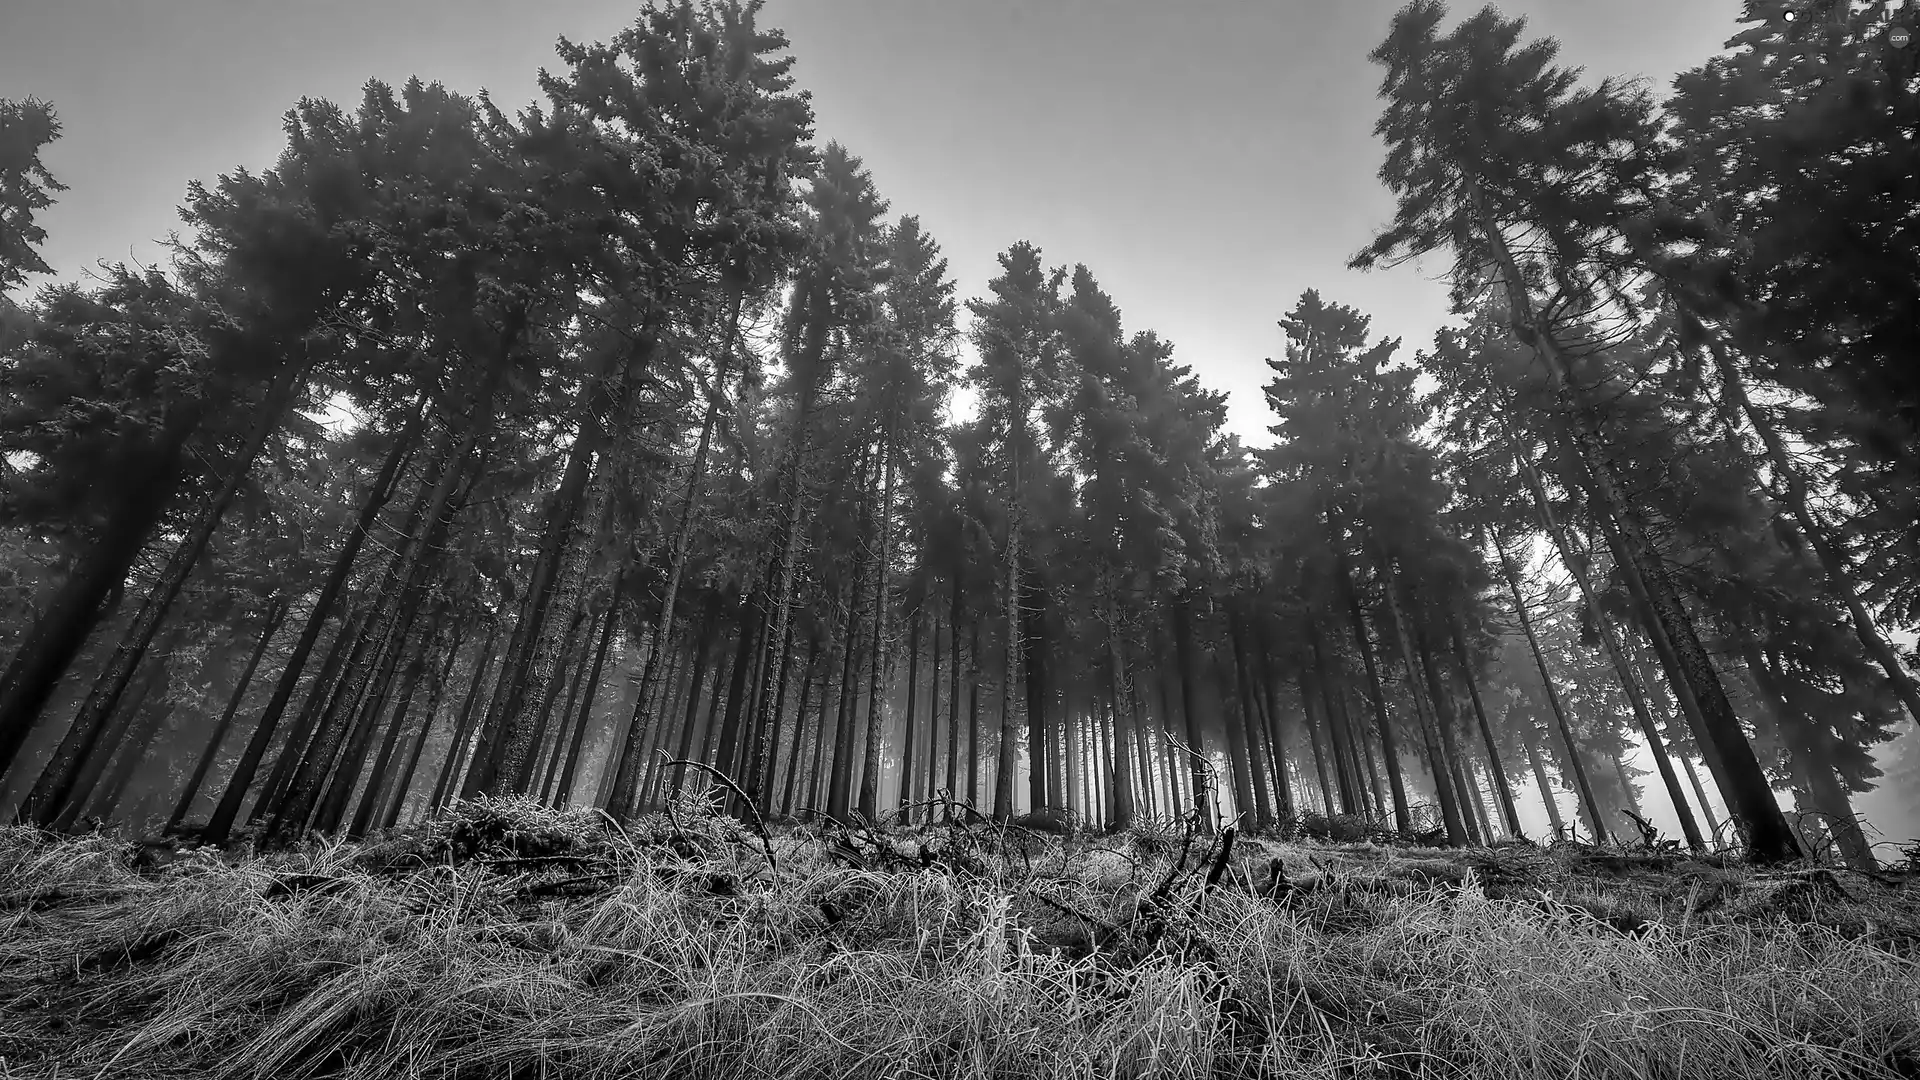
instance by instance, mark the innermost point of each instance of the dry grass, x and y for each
(504, 940)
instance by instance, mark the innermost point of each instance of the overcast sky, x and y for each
(1207, 159)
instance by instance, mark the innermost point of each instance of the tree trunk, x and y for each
(563, 792)
(553, 750)
(326, 686)
(145, 728)
(1190, 705)
(420, 555)
(69, 616)
(1249, 727)
(1429, 724)
(1832, 562)
(449, 778)
(399, 801)
(1258, 676)
(1807, 742)
(800, 727)
(1447, 723)
(727, 745)
(1046, 779)
(627, 761)
(383, 760)
(46, 801)
(390, 605)
(306, 765)
(840, 764)
(1574, 769)
(1252, 722)
(401, 650)
(953, 691)
(276, 614)
(1276, 735)
(913, 701)
(821, 738)
(1769, 839)
(1576, 565)
(709, 638)
(1121, 771)
(1389, 747)
(220, 824)
(1503, 788)
(1317, 741)
(506, 736)
(665, 704)
(1348, 783)
(94, 768)
(1547, 796)
(973, 715)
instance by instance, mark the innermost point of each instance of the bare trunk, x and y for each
(449, 778)
(220, 824)
(276, 614)
(1547, 796)
(398, 802)
(1389, 746)
(1502, 787)
(47, 801)
(1576, 565)
(1574, 769)
(68, 617)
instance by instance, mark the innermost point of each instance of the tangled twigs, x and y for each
(759, 824)
(1208, 787)
(888, 816)
(1108, 931)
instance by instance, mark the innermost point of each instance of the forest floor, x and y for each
(503, 940)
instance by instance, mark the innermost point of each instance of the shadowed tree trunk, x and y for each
(1581, 786)
(400, 787)
(220, 824)
(1423, 709)
(48, 799)
(124, 722)
(1389, 746)
(913, 701)
(463, 725)
(800, 728)
(1576, 565)
(1547, 796)
(276, 614)
(1676, 640)
(69, 616)
(376, 780)
(563, 791)
(1190, 704)
(1502, 787)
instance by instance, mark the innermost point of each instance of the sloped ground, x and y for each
(508, 941)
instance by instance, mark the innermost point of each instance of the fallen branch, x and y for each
(1109, 930)
(759, 825)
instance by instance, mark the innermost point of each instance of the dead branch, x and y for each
(759, 825)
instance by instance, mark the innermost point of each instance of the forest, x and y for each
(625, 465)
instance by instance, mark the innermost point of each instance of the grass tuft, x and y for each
(504, 940)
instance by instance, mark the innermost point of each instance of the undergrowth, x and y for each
(505, 940)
